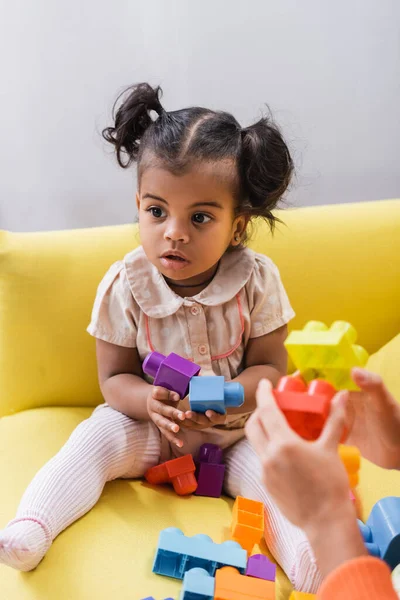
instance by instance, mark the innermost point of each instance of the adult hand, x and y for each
(307, 480)
(373, 420)
(163, 411)
(295, 471)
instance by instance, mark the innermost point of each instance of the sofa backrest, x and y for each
(337, 262)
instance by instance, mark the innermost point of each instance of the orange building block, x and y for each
(301, 596)
(306, 408)
(230, 585)
(179, 471)
(351, 458)
(247, 522)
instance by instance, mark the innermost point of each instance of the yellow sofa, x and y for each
(337, 262)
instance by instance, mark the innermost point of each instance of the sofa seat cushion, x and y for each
(108, 553)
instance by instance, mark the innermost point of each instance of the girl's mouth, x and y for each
(173, 262)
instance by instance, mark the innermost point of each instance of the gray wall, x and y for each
(330, 71)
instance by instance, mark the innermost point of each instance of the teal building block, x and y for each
(212, 393)
(177, 553)
(197, 585)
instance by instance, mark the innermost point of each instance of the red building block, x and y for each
(230, 585)
(179, 471)
(305, 408)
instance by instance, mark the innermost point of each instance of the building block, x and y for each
(319, 352)
(305, 408)
(212, 393)
(261, 567)
(197, 585)
(247, 522)
(351, 458)
(230, 585)
(384, 525)
(210, 472)
(177, 554)
(301, 596)
(171, 372)
(179, 471)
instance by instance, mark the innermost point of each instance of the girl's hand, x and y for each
(298, 473)
(373, 420)
(194, 420)
(163, 411)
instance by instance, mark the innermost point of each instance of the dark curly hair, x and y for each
(180, 138)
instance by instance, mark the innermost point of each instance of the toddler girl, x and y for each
(192, 288)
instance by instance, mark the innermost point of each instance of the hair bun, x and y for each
(132, 119)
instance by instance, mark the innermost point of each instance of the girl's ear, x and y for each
(238, 229)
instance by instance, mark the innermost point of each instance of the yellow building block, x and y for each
(247, 522)
(301, 596)
(319, 352)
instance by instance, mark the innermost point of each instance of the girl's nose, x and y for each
(175, 232)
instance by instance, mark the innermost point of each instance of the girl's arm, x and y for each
(265, 358)
(121, 381)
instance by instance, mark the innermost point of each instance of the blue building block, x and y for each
(177, 554)
(212, 393)
(197, 585)
(366, 532)
(384, 523)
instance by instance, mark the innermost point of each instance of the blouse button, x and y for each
(195, 310)
(203, 349)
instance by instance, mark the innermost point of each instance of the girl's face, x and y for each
(188, 221)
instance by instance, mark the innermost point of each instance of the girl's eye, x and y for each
(201, 218)
(156, 212)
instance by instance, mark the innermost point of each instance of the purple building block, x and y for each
(210, 471)
(171, 372)
(260, 567)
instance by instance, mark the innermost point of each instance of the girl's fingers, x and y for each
(164, 395)
(197, 418)
(168, 411)
(167, 428)
(374, 386)
(216, 418)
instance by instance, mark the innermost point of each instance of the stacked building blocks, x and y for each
(351, 458)
(230, 585)
(305, 408)
(171, 372)
(197, 585)
(210, 471)
(247, 522)
(179, 471)
(301, 596)
(381, 532)
(212, 393)
(260, 567)
(326, 353)
(177, 554)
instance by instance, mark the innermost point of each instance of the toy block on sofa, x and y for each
(301, 596)
(213, 393)
(319, 352)
(197, 585)
(382, 529)
(177, 554)
(171, 372)
(247, 522)
(306, 408)
(230, 585)
(210, 471)
(351, 458)
(260, 567)
(179, 471)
